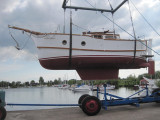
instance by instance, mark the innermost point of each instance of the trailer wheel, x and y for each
(91, 105)
(157, 91)
(2, 113)
(81, 99)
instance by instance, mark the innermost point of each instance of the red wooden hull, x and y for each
(95, 67)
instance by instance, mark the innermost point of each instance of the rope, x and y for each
(135, 43)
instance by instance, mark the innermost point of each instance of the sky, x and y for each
(48, 16)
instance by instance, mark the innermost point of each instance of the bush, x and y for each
(158, 83)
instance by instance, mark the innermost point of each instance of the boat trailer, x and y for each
(92, 105)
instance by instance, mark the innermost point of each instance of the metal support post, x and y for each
(147, 94)
(105, 97)
(97, 91)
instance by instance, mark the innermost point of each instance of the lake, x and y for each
(50, 95)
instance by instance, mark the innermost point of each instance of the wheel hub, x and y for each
(91, 106)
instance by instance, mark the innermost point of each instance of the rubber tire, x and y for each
(81, 99)
(91, 105)
(158, 94)
(3, 113)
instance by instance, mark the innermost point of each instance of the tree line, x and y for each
(130, 81)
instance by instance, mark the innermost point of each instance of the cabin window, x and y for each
(110, 37)
(98, 36)
(64, 42)
(83, 43)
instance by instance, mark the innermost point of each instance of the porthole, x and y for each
(83, 43)
(64, 42)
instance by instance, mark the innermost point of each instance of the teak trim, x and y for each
(91, 49)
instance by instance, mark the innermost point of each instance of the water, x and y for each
(50, 95)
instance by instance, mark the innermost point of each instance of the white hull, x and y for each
(51, 46)
(82, 88)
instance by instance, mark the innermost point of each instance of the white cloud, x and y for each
(12, 6)
(9, 67)
(149, 3)
(136, 72)
(157, 48)
(11, 53)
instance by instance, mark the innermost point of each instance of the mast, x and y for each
(70, 42)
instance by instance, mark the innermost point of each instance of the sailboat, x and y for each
(82, 88)
(94, 55)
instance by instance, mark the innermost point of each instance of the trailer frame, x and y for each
(90, 107)
(130, 100)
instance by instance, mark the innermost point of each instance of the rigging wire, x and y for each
(145, 18)
(29, 36)
(112, 17)
(123, 29)
(80, 27)
(110, 5)
(112, 21)
(17, 44)
(64, 21)
(135, 43)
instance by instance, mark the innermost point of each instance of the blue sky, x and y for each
(47, 16)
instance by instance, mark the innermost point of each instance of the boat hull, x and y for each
(95, 67)
(80, 62)
(94, 59)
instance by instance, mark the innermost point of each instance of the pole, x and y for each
(70, 42)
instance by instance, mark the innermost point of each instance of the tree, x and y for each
(13, 84)
(59, 81)
(158, 83)
(72, 81)
(55, 82)
(49, 83)
(4, 84)
(41, 81)
(26, 84)
(18, 83)
(32, 83)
